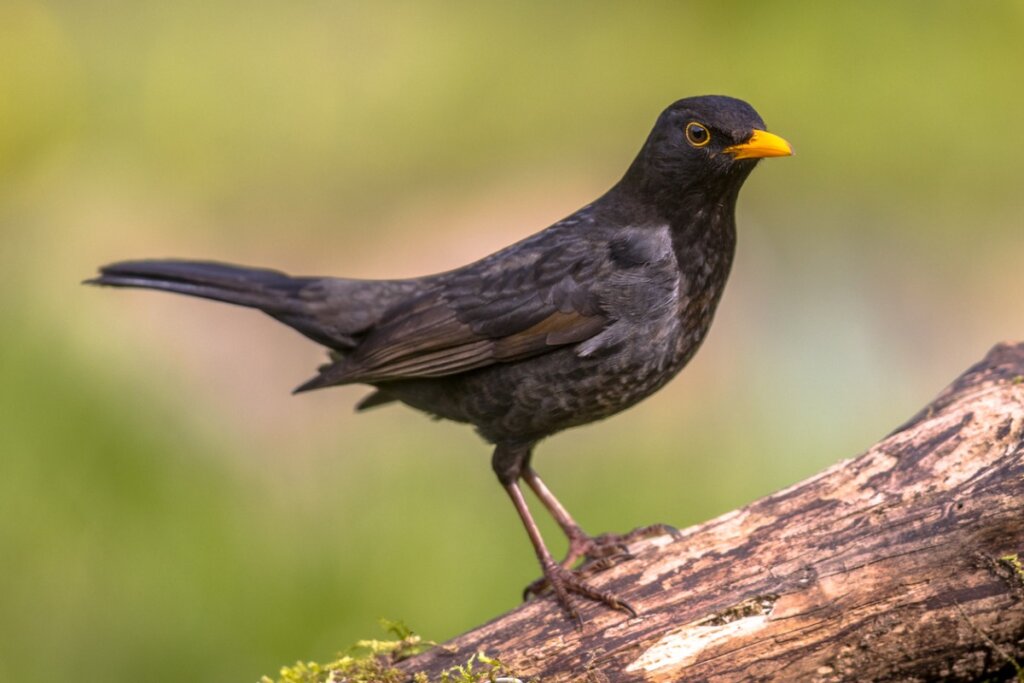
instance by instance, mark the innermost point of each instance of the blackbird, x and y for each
(565, 327)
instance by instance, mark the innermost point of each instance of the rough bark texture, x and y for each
(903, 564)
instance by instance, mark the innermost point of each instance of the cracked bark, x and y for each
(902, 564)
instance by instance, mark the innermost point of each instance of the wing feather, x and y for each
(497, 310)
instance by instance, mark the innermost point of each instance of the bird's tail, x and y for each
(267, 290)
(291, 300)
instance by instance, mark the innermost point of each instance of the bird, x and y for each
(563, 328)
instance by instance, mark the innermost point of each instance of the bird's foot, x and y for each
(599, 553)
(564, 582)
(606, 550)
(607, 545)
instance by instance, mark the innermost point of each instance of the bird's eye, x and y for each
(697, 135)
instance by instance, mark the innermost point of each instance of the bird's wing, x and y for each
(519, 302)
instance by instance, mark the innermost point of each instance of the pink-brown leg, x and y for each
(582, 545)
(561, 579)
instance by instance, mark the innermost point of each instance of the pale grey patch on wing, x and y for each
(641, 294)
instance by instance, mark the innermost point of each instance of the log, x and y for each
(902, 564)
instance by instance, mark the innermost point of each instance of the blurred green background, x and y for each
(169, 512)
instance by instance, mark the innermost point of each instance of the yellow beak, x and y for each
(761, 144)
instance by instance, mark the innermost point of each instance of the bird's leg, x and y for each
(562, 580)
(598, 552)
(581, 545)
(508, 463)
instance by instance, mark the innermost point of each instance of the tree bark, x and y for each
(902, 564)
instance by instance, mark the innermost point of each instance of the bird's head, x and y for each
(702, 148)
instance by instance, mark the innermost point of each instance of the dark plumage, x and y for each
(566, 327)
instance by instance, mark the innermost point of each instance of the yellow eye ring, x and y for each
(697, 134)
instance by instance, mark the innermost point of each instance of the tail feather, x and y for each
(320, 308)
(269, 290)
(335, 312)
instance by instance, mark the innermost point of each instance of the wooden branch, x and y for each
(901, 564)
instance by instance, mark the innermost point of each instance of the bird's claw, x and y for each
(613, 546)
(638, 534)
(589, 567)
(564, 582)
(598, 554)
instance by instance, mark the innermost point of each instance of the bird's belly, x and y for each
(536, 397)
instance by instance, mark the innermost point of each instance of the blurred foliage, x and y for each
(168, 512)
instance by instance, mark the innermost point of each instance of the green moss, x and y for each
(489, 668)
(373, 661)
(1013, 562)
